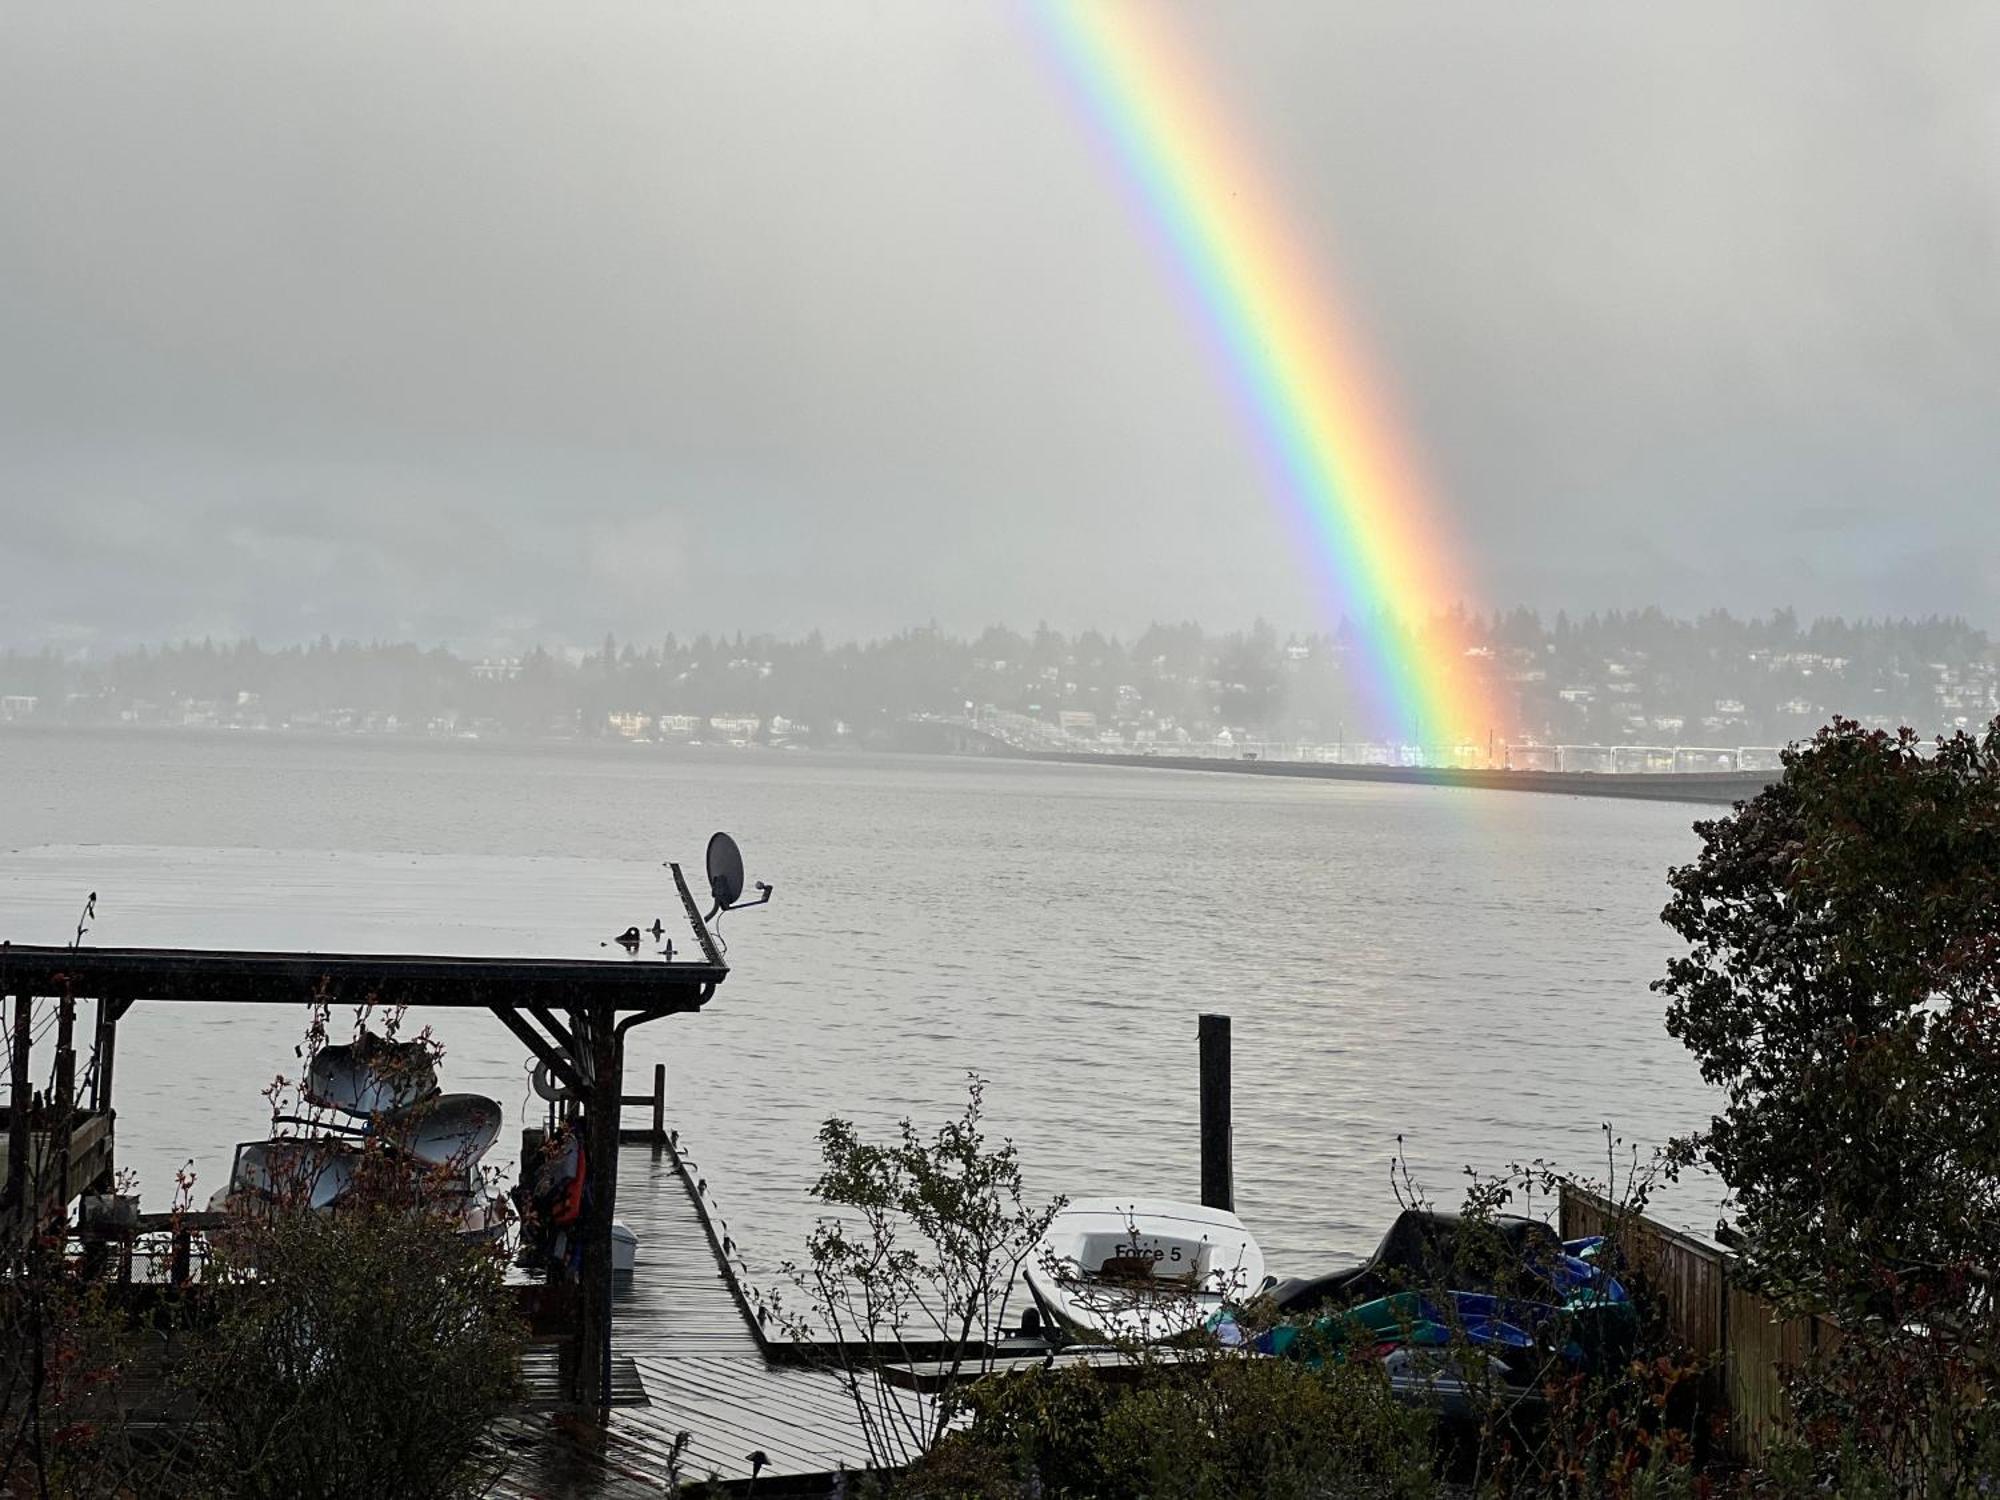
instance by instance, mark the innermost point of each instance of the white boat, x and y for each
(482, 1213)
(1120, 1270)
(371, 1076)
(319, 1171)
(448, 1130)
(296, 1169)
(433, 1141)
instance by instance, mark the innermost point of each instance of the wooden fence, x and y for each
(1746, 1349)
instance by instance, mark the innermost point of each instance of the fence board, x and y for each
(1749, 1349)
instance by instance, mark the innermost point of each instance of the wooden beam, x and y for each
(558, 1062)
(240, 977)
(565, 1038)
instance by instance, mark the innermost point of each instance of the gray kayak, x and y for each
(294, 1169)
(449, 1130)
(371, 1076)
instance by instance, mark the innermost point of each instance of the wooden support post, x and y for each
(17, 1105)
(1218, 1176)
(107, 1047)
(604, 1101)
(181, 1268)
(62, 1108)
(659, 1104)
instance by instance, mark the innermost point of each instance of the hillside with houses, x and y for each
(1642, 680)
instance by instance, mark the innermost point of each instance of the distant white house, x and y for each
(630, 725)
(735, 727)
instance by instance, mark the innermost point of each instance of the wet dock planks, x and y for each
(699, 1371)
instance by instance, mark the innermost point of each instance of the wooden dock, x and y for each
(572, 1014)
(671, 1374)
(700, 1370)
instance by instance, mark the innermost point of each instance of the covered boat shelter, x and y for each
(571, 1014)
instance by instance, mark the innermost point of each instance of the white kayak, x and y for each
(292, 1169)
(449, 1130)
(371, 1076)
(1115, 1269)
(318, 1173)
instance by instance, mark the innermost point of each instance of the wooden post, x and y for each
(659, 1103)
(107, 1047)
(17, 1105)
(1218, 1178)
(63, 1107)
(597, 1035)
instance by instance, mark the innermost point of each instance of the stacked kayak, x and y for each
(388, 1092)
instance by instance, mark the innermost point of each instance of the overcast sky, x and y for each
(479, 323)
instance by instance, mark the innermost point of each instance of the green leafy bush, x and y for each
(1215, 1427)
(362, 1353)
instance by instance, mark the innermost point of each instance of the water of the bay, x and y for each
(1466, 971)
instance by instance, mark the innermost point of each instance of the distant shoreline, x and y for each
(1715, 788)
(1710, 788)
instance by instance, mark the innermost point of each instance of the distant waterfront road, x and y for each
(1721, 788)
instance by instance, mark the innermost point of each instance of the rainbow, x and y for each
(1350, 490)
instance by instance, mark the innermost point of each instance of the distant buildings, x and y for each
(1633, 690)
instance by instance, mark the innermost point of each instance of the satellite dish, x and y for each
(725, 871)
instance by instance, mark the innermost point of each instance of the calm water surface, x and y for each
(1465, 970)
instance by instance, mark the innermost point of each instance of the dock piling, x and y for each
(1218, 1177)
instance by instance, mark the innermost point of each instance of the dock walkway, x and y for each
(699, 1367)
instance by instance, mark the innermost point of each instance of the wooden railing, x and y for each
(84, 1160)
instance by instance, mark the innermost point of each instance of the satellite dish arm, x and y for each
(763, 895)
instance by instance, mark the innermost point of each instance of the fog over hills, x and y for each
(497, 326)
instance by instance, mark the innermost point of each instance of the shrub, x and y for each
(1212, 1427)
(357, 1353)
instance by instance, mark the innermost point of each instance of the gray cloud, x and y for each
(472, 323)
